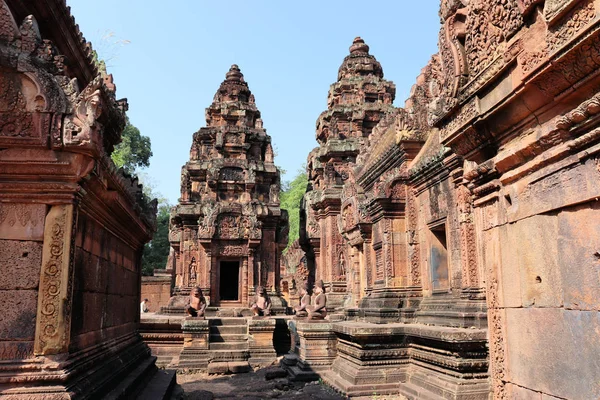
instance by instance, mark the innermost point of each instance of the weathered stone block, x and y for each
(22, 221)
(16, 350)
(561, 344)
(579, 256)
(535, 240)
(17, 320)
(218, 368)
(20, 263)
(517, 392)
(195, 332)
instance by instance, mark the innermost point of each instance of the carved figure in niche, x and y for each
(342, 267)
(193, 271)
(269, 154)
(301, 310)
(185, 185)
(194, 151)
(348, 217)
(262, 303)
(274, 194)
(196, 303)
(318, 310)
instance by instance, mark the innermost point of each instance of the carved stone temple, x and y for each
(72, 226)
(228, 231)
(457, 237)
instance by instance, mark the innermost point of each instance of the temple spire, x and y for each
(359, 46)
(234, 74)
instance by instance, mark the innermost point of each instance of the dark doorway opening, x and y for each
(229, 281)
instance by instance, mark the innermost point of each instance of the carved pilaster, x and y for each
(53, 323)
(413, 240)
(251, 272)
(245, 295)
(470, 275)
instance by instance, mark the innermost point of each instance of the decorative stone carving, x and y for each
(22, 221)
(488, 25)
(572, 23)
(54, 300)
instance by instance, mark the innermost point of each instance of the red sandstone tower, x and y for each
(228, 230)
(356, 103)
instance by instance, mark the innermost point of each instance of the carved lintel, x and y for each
(53, 323)
(554, 9)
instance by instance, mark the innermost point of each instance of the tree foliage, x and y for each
(134, 151)
(290, 198)
(156, 251)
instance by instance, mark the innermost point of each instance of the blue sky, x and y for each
(289, 52)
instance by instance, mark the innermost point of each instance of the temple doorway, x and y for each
(229, 281)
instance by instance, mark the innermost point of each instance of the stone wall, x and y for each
(106, 283)
(157, 289)
(21, 242)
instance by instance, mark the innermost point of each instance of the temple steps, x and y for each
(228, 321)
(160, 386)
(225, 330)
(217, 337)
(229, 346)
(144, 382)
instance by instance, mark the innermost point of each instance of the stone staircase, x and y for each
(228, 345)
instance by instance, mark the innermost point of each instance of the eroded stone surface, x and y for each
(17, 321)
(21, 262)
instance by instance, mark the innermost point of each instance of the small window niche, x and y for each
(438, 257)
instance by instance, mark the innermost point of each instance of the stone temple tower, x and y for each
(228, 231)
(356, 103)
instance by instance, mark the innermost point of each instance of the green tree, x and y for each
(290, 199)
(156, 251)
(134, 151)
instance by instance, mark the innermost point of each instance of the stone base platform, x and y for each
(215, 344)
(451, 311)
(417, 361)
(314, 345)
(388, 305)
(118, 369)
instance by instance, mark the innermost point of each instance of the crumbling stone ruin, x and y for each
(457, 238)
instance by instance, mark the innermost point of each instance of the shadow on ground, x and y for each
(265, 383)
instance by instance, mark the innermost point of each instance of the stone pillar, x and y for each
(214, 280)
(316, 350)
(178, 270)
(244, 295)
(250, 274)
(367, 246)
(318, 262)
(53, 323)
(260, 342)
(194, 353)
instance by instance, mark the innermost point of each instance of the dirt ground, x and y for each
(266, 383)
